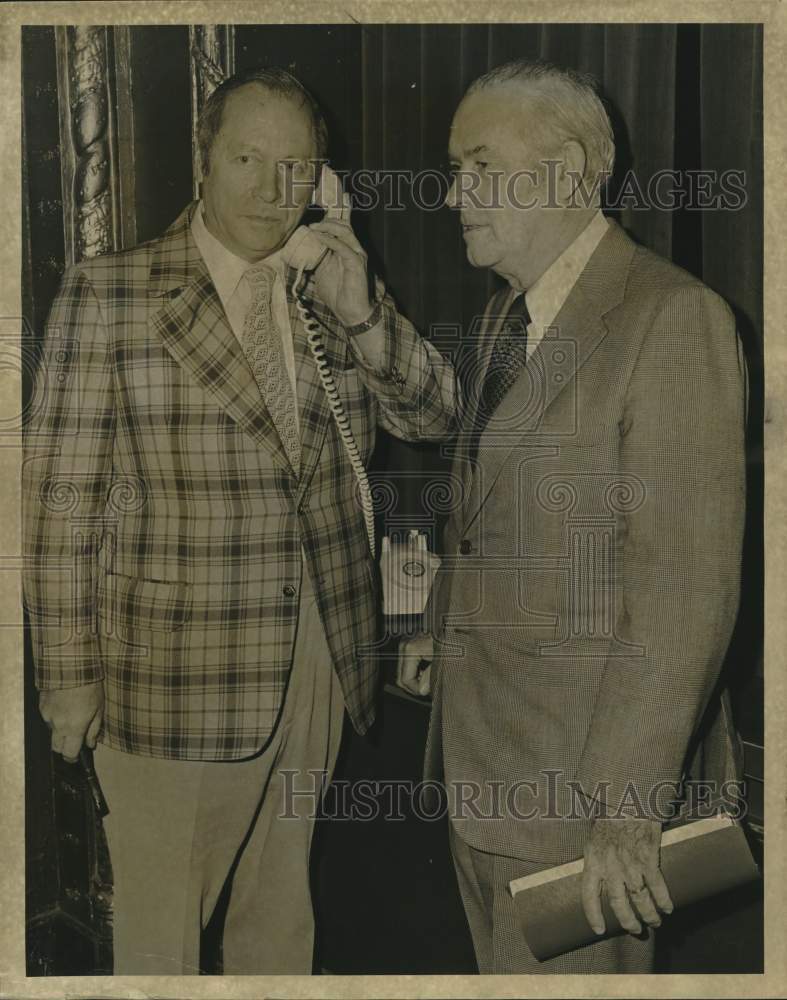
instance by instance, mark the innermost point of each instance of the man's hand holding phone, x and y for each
(340, 279)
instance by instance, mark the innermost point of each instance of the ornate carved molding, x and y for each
(212, 60)
(87, 137)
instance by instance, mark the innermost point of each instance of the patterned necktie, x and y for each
(509, 357)
(263, 349)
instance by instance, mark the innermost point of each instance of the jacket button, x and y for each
(288, 590)
(465, 547)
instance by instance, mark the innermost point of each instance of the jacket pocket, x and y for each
(134, 602)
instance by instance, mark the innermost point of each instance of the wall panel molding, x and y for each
(88, 141)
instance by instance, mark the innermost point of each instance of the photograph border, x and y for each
(773, 982)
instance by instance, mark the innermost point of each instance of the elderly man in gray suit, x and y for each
(591, 575)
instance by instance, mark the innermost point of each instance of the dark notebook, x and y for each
(699, 859)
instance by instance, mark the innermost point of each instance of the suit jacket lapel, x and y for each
(576, 333)
(195, 331)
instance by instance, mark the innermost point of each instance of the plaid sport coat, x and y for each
(590, 578)
(163, 524)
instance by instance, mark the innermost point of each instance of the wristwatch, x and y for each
(372, 320)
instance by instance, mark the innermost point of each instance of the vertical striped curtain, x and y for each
(731, 111)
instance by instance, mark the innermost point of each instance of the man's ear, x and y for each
(572, 171)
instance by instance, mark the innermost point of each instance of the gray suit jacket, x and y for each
(591, 574)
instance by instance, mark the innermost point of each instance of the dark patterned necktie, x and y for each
(509, 357)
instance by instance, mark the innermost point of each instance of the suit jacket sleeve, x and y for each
(65, 483)
(683, 437)
(415, 387)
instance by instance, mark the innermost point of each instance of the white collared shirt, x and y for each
(546, 296)
(226, 270)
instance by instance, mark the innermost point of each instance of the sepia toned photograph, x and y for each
(392, 494)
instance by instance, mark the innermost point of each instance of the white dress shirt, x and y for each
(546, 296)
(227, 271)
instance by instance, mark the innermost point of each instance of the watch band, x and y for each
(372, 320)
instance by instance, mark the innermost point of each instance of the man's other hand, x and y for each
(74, 715)
(413, 668)
(622, 859)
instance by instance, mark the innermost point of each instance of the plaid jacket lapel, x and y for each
(195, 331)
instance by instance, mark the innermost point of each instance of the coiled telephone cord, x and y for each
(314, 337)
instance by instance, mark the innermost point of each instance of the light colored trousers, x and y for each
(177, 830)
(498, 940)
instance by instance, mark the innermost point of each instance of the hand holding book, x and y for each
(622, 859)
(699, 859)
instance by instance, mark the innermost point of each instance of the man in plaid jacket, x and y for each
(200, 606)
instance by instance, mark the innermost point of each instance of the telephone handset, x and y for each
(303, 251)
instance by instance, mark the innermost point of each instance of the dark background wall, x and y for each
(682, 97)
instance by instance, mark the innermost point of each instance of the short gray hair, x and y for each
(567, 105)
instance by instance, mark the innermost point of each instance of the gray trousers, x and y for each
(178, 829)
(497, 934)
